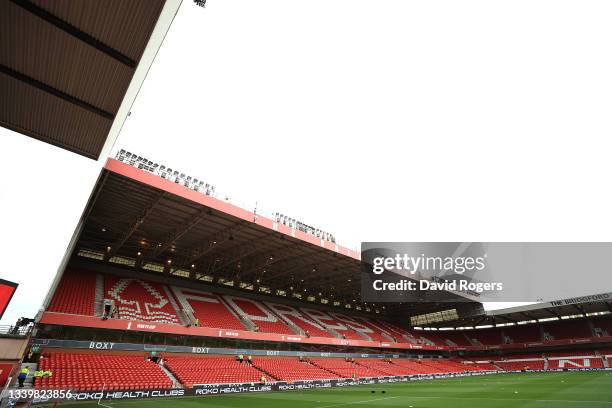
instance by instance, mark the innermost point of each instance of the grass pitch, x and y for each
(530, 390)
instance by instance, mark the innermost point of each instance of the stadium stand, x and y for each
(398, 334)
(79, 291)
(75, 294)
(136, 299)
(259, 315)
(416, 366)
(567, 329)
(522, 356)
(571, 353)
(208, 308)
(382, 366)
(331, 324)
(481, 366)
(516, 365)
(604, 324)
(454, 338)
(575, 363)
(444, 366)
(211, 370)
(377, 333)
(346, 369)
(524, 333)
(291, 369)
(86, 372)
(296, 317)
(487, 337)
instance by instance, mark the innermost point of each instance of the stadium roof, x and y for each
(140, 220)
(554, 310)
(69, 71)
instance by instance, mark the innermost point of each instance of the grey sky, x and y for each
(381, 121)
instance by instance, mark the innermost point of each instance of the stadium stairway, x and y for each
(29, 381)
(99, 299)
(247, 323)
(175, 382)
(326, 369)
(266, 372)
(297, 329)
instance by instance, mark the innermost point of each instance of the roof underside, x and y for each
(148, 225)
(528, 313)
(65, 66)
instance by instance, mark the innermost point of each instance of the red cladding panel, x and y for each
(7, 289)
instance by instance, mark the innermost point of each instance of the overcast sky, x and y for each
(386, 120)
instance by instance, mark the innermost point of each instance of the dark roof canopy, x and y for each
(65, 66)
(140, 219)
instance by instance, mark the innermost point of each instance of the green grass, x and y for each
(531, 390)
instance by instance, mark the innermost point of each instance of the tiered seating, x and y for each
(524, 333)
(211, 370)
(445, 366)
(457, 338)
(480, 366)
(382, 366)
(378, 333)
(87, 372)
(568, 329)
(604, 323)
(259, 315)
(522, 356)
(75, 294)
(397, 333)
(346, 369)
(572, 353)
(416, 366)
(575, 363)
(208, 308)
(143, 300)
(296, 317)
(428, 337)
(292, 369)
(488, 337)
(521, 365)
(136, 299)
(329, 322)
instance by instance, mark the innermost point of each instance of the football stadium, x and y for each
(172, 294)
